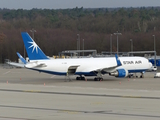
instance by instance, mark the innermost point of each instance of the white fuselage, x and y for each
(86, 66)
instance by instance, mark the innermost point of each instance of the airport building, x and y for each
(157, 60)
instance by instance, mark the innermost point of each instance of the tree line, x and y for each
(57, 29)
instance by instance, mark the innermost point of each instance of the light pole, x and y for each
(154, 51)
(33, 31)
(24, 52)
(111, 44)
(131, 46)
(83, 47)
(78, 42)
(1, 40)
(117, 33)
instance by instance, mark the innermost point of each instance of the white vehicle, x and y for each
(157, 75)
(114, 66)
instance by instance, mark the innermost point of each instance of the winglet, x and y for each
(21, 58)
(117, 60)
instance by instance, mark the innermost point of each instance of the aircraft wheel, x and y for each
(101, 79)
(77, 78)
(98, 79)
(80, 78)
(141, 76)
(95, 79)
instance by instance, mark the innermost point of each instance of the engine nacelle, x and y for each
(119, 73)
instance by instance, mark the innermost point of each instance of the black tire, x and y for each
(82, 78)
(77, 78)
(95, 79)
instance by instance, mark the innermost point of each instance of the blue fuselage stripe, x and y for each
(135, 71)
(64, 73)
(84, 73)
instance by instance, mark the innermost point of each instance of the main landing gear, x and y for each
(80, 78)
(99, 76)
(136, 76)
(98, 79)
(95, 79)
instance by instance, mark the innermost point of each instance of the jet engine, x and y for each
(119, 73)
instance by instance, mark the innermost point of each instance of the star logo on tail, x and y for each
(34, 45)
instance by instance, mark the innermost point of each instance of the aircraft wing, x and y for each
(16, 64)
(109, 68)
(101, 70)
(35, 64)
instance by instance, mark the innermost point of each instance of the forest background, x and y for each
(56, 30)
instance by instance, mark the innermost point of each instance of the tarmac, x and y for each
(30, 95)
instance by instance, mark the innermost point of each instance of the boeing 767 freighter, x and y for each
(114, 66)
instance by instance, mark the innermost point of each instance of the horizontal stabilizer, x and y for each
(16, 64)
(21, 58)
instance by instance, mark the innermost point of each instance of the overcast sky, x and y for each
(61, 4)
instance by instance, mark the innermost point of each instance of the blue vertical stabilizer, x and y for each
(33, 50)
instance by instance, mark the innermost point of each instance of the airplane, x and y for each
(114, 66)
